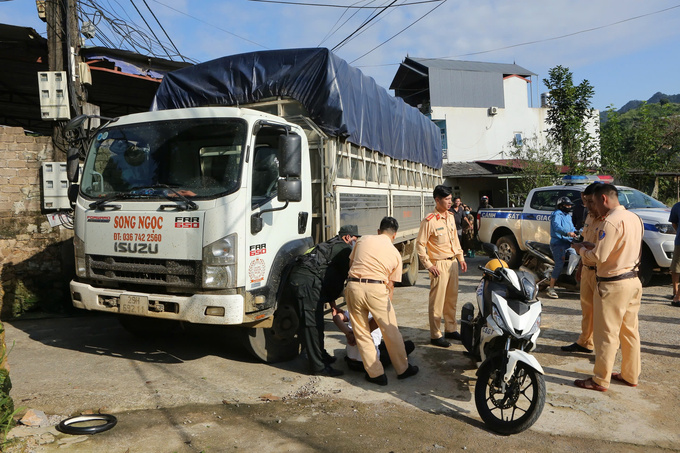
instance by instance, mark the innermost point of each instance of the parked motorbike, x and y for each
(539, 261)
(510, 390)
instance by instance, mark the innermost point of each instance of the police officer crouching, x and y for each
(318, 277)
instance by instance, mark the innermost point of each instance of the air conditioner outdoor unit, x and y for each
(493, 111)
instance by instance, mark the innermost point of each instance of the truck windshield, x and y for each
(197, 157)
(634, 199)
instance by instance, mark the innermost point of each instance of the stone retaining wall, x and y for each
(36, 260)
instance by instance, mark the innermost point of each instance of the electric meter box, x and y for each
(55, 186)
(53, 94)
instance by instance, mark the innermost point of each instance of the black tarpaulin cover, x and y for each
(340, 99)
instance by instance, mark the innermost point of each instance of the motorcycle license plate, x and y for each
(134, 305)
(487, 330)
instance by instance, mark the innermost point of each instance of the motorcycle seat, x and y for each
(541, 247)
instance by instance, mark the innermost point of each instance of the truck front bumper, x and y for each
(222, 309)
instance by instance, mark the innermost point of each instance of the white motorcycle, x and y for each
(510, 390)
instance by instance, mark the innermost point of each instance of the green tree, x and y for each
(641, 146)
(538, 167)
(569, 113)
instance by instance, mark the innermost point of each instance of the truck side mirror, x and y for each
(72, 162)
(289, 190)
(290, 156)
(73, 193)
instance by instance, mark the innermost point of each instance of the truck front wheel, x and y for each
(278, 343)
(508, 250)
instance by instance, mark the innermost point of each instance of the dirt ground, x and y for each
(199, 391)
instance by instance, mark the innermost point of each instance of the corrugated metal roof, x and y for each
(476, 66)
(466, 89)
(466, 169)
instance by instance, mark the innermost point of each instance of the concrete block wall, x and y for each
(34, 257)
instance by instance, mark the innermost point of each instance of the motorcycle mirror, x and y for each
(489, 248)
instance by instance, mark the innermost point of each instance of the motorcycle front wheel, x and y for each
(515, 409)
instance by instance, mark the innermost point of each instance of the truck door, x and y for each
(276, 231)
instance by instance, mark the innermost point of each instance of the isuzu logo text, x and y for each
(135, 247)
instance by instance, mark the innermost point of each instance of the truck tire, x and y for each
(278, 343)
(508, 250)
(647, 264)
(409, 277)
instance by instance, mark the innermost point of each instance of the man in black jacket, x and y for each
(318, 277)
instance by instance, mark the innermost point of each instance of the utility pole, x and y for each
(54, 16)
(63, 49)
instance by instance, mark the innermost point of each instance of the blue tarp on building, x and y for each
(340, 99)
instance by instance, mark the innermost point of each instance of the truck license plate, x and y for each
(136, 305)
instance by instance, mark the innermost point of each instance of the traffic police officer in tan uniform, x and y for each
(440, 252)
(375, 264)
(617, 299)
(591, 228)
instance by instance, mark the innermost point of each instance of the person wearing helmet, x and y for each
(562, 233)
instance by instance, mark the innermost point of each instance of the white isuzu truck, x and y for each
(192, 211)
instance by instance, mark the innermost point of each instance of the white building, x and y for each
(483, 109)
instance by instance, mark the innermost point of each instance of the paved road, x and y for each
(167, 392)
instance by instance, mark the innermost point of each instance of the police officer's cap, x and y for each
(352, 230)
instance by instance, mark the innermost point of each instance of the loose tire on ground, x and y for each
(508, 250)
(525, 403)
(68, 426)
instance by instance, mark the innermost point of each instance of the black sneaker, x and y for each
(575, 347)
(327, 358)
(409, 346)
(412, 370)
(329, 371)
(452, 335)
(676, 303)
(380, 380)
(441, 342)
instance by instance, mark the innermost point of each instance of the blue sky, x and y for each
(631, 52)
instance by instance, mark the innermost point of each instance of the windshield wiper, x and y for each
(142, 192)
(190, 205)
(100, 204)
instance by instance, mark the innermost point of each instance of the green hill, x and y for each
(653, 102)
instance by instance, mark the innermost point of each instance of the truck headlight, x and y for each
(219, 263)
(79, 252)
(665, 228)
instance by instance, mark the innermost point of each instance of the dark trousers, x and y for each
(305, 289)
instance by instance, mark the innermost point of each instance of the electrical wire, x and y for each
(332, 30)
(208, 23)
(400, 32)
(343, 6)
(115, 29)
(149, 27)
(373, 24)
(341, 43)
(537, 41)
(162, 28)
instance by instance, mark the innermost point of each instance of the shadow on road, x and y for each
(103, 335)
